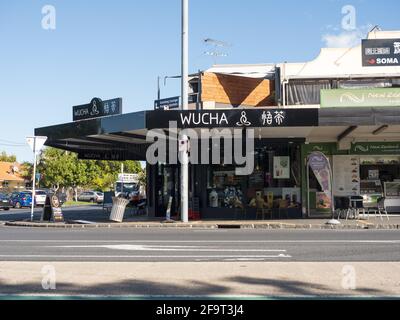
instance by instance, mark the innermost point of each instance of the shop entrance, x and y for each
(167, 186)
(380, 177)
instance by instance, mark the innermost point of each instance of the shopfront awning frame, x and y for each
(125, 135)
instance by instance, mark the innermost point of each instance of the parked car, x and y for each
(4, 201)
(91, 196)
(40, 197)
(21, 199)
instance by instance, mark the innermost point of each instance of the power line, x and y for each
(11, 142)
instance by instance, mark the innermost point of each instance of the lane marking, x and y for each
(204, 241)
(167, 248)
(143, 256)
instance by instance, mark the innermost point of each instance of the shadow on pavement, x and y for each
(273, 287)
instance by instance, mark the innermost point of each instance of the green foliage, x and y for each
(26, 170)
(63, 169)
(7, 158)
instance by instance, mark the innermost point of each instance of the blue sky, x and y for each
(118, 48)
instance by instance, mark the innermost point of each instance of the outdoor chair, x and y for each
(338, 207)
(380, 208)
(357, 206)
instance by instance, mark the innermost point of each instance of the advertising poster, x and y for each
(319, 164)
(346, 180)
(323, 201)
(281, 167)
(321, 168)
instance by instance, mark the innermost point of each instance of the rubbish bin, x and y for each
(118, 209)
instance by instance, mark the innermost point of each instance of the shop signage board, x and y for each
(382, 97)
(238, 118)
(97, 108)
(380, 52)
(52, 209)
(377, 148)
(102, 155)
(346, 175)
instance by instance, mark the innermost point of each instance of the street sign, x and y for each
(97, 108)
(128, 177)
(166, 104)
(37, 145)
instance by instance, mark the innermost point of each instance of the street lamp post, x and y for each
(184, 92)
(36, 143)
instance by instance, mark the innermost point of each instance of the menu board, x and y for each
(346, 175)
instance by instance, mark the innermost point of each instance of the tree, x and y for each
(7, 158)
(61, 168)
(26, 170)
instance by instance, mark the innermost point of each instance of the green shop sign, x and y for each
(375, 148)
(382, 97)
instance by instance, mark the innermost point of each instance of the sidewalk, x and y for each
(145, 222)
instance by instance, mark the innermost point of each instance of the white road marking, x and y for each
(205, 241)
(142, 256)
(167, 248)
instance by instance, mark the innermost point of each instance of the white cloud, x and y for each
(346, 39)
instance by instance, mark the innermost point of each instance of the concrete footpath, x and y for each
(201, 279)
(143, 222)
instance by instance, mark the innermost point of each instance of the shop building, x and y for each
(344, 104)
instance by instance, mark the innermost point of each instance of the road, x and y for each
(190, 263)
(74, 212)
(40, 244)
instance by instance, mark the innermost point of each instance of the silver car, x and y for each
(91, 196)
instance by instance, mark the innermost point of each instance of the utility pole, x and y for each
(185, 95)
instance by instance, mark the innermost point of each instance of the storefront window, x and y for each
(275, 178)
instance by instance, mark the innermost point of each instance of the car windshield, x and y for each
(40, 192)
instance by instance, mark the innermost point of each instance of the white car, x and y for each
(40, 197)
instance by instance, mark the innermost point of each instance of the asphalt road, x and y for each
(74, 213)
(191, 245)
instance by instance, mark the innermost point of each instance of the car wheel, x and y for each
(18, 205)
(92, 200)
(6, 209)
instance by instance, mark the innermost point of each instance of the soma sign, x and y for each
(97, 108)
(380, 52)
(239, 118)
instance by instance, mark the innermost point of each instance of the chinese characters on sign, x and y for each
(97, 108)
(267, 118)
(233, 118)
(380, 52)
